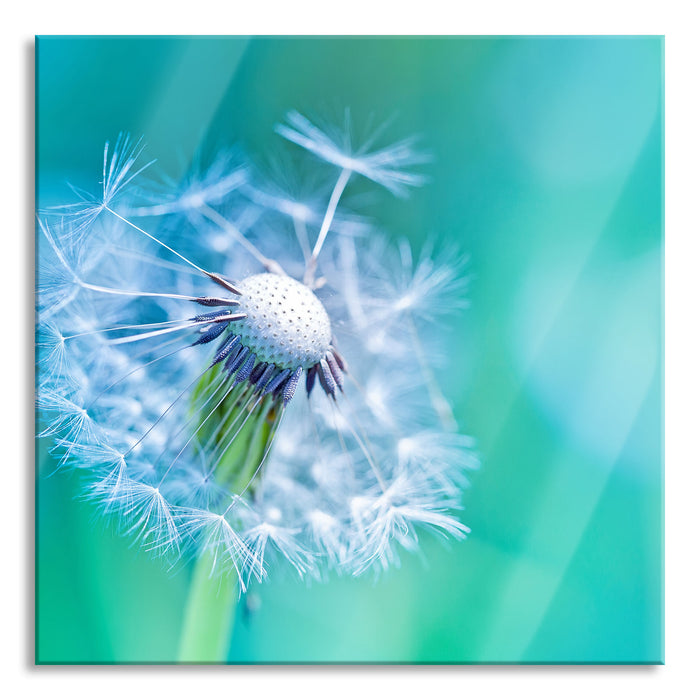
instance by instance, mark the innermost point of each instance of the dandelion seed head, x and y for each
(244, 373)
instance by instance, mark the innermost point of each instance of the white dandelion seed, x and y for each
(226, 390)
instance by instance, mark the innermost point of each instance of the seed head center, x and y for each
(286, 323)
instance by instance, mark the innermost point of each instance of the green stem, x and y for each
(209, 615)
(211, 604)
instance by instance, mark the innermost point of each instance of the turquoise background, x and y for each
(548, 171)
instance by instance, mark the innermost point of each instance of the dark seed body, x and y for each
(335, 370)
(291, 386)
(211, 333)
(226, 348)
(216, 301)
(277, 382)
(310, 379)
(257, 372)
(246, 369)
(235, 361)
(325, 377)
(265, 377)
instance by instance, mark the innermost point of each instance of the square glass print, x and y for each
(349, 350)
